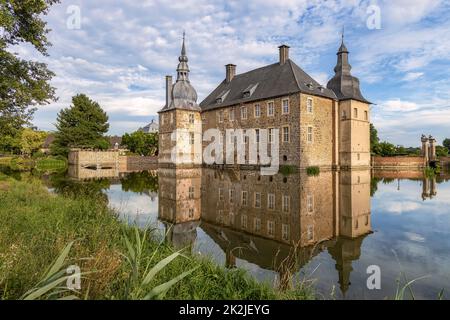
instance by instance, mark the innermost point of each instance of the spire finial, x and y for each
(343, 33)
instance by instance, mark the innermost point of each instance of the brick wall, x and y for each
(397, 162)
(136, 163)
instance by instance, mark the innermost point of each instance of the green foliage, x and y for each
(446, 143)
(23, 84)
(140, 182)
(313, 171)
(82, 125)
(141, 143)
(31, 140)
(37, 226)
(441, 151)
(286, 170)
(374, 140)
(385, 149)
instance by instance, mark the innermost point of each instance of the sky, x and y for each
(121, 51)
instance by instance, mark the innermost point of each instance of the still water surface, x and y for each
(330, 227)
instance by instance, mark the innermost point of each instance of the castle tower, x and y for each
(180, 133)
(354, 114)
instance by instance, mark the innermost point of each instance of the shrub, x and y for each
(313, 171)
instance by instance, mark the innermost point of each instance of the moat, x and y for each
(328, 228)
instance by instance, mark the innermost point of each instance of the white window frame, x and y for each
(310, 135)
(257, 224)
(269, 104)
(288, 134)
(244, 198)
(191, 138)
(230, 113)
(271, 201)
(283, 111)
(270, 135)
(244, 221)
(191, 118)
(220, 116)
(254, 200)
(309, 105)
(286, 203)
(244, 113)
(270, 228)
(191, 192)
(257, 108)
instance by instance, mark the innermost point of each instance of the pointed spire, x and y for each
(343, 84)
(183, 68)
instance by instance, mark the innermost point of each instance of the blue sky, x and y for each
(123, 50)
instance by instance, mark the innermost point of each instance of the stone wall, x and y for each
(398, 162)
(136, 163)
(94, 158)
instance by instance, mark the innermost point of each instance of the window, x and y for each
(285, 106)
(257, 224)
(270, 109)
(310, 203)
(244, 136)
(270, 135)
(191, 138)
(355, 112)
(271, 201)
(271, 228)
(344, 114)
(285, 232)
(257, 110)
(358, 156)
(191, 213)
(244, 113)
(231, 113)
(309, 105)
(366, 115)
(220, 116)
(257, 135)
(257, 200)
(191, 192)
(244, 221)
(310, 134)
(231, 196)
(244, 199)
(286, 203)
(310, 233)
(191, 118)
(220, 194)
(285, 134)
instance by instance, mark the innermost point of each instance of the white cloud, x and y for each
(411, 76)
(399, 105)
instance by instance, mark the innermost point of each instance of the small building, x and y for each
(152, 127)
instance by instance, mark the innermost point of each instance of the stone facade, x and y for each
(327, 128)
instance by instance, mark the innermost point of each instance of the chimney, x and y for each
(284, 53)
(168, 90)
(230, 72)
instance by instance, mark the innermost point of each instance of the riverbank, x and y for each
(37, 226)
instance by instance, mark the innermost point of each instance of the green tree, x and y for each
(386, 149)
(441, 151)
(82, 125)
(31, 140)
(446, 143)
(23, 84)
(141, 143)
(374, 140)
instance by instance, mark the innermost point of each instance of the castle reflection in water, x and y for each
(269, 220)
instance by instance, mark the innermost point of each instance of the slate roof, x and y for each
(272, 81)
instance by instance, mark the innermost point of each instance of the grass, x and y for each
(44, 164)
(313, 171)
(117, 261)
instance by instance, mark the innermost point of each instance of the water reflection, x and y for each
(269, 220)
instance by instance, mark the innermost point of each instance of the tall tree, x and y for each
(31, 141)
(374, 140)
(23, 84)
(82, 125)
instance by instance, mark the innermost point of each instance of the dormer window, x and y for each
(310, 86)
(247, 93)
(221, 97)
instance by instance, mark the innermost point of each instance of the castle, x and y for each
(327, 127)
